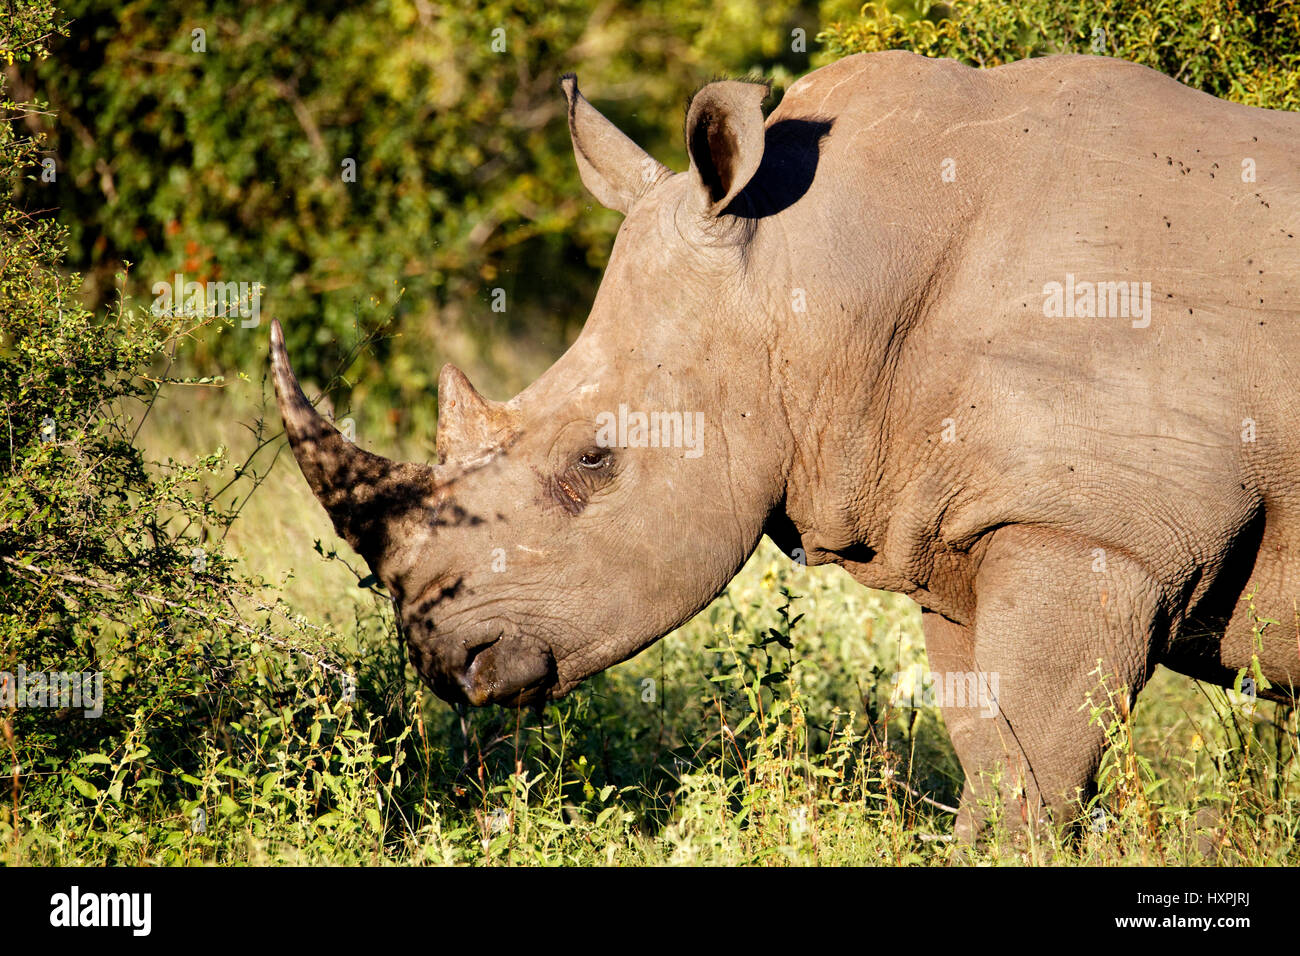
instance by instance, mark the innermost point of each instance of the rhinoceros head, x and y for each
(568, 528)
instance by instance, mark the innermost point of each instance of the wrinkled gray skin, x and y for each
(1053, 492)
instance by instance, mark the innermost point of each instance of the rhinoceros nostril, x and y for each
(514, 670)
(467, 675)
(474, 648)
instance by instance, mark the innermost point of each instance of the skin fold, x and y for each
(862, 298)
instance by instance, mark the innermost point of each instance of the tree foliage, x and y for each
(219, 140)
(1242, 50)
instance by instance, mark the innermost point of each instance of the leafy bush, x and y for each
(112, 569)
(1236, 49)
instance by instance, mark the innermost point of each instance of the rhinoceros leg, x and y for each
(950, 649)
(1045, 616)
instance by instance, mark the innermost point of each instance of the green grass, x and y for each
(718, 745)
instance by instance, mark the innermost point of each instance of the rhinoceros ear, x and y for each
(365, 495)
(616, 170)
(468, 424)
(724, 137)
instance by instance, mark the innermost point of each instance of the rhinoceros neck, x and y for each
(863, 257)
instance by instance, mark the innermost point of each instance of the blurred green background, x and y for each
(228, 164)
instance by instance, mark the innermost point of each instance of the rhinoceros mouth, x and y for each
(509, 670)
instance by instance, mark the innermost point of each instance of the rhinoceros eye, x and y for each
(582, 476)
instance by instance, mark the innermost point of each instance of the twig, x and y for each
(924, 799)
(155, 599)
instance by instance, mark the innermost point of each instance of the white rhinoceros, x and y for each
(1022, 344)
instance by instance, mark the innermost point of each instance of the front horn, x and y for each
(362, 493)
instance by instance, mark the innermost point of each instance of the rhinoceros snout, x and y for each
(514, 670)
